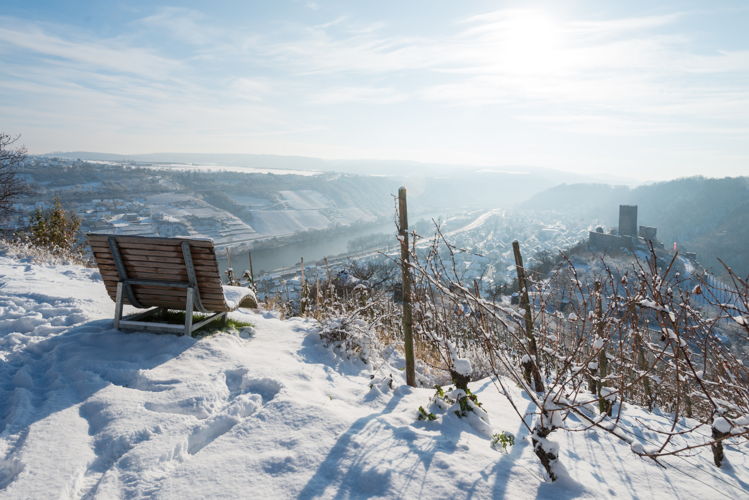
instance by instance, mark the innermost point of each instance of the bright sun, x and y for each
(528, 42)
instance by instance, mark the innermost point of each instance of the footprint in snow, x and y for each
(246, 396)
(218, 415)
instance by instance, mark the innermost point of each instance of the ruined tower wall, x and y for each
(628, 220)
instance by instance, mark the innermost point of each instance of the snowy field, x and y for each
(267, 412)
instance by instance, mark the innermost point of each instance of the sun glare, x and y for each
(529, 42)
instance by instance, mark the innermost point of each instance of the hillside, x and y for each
(235, 209)
(268, 411)
(706, 216)
(435, 186)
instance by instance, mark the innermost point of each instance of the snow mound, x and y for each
(239, 296)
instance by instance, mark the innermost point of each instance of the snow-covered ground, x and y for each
(267, 412)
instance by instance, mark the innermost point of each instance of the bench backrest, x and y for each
(173, 263)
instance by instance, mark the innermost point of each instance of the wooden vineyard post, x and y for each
(229, 269)
(252, 271)
(639, 355)
(604, 405)
(530, 366)
(328, 294)
(302, 291)
(318, 299)
(406, 289)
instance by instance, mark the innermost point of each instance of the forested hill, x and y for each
(707, 216)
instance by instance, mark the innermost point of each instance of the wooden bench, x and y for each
(163, 274)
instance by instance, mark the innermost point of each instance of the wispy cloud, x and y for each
(611, 28)
(376, 95)
(186, 25)
(101, 54)
(189, 77)
(252, 89)
(519, 58)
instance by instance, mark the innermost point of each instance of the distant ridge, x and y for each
(704, 215)
(398, 168)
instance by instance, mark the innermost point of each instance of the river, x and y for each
(286, 255)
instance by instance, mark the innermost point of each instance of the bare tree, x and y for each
(11, 187)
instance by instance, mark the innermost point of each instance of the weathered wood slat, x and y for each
(142, 258)
(150, 239)
(179, 304)
(161, 250)
(148, 266)
(171, 275)
(206, 281)
(215, 303)
(209, 283)
(147, 245)
(141, 290)
(151, 266)
(111, 283)
(138, 252)
(177, 299)
(207, 291)
(146, 261)
(165, 302)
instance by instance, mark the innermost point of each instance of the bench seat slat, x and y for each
(150, 239)
(127, 259)
(139, 248)
(135, 253)
(166, 274)
(169, 274)
(179, 305)
(141, 290)
(109, 264)
(206, 288)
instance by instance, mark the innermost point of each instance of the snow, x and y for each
(651, 304)
(461, 366)
(305, 199)
(90, 412)
(234, 295)
(672, 335)
(722, 425)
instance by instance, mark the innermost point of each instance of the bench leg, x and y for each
(118, 306)
(188, 311)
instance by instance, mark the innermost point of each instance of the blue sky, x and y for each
(649, 90)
